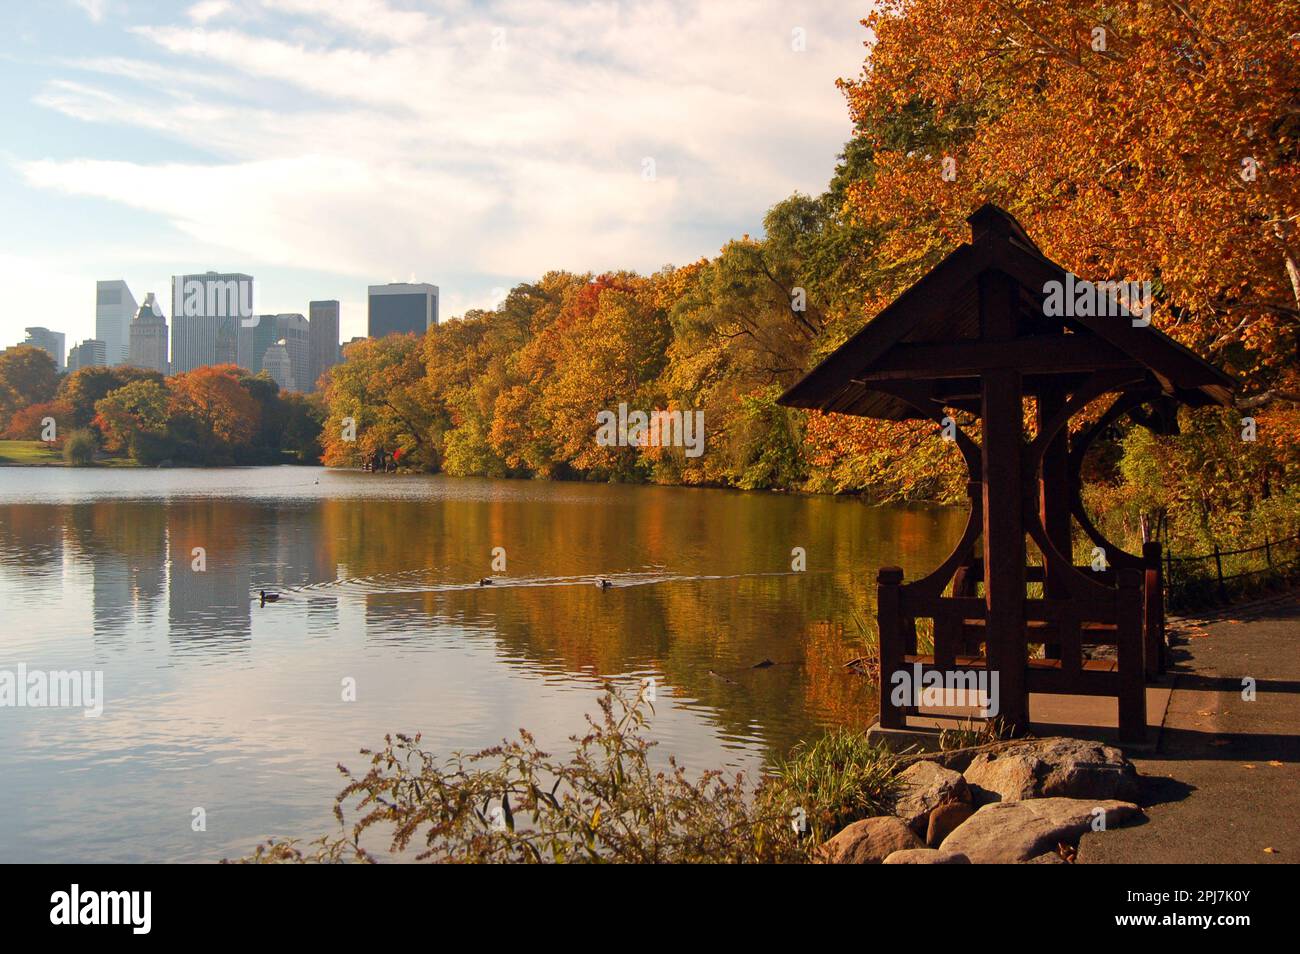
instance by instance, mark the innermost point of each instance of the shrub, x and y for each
(604, 803)
(80, 447)
(837, 780)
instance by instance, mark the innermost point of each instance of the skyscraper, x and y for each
(149, 337)
(207, 312)
(323, 339)
(293, 331)
(277, 364)
(115, 306)
(253, 338)
(401, 308)
(89, 354)
(51, 342)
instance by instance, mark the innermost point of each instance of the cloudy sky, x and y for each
(324, 145)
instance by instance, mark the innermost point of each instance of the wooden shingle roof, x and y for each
(931, 334)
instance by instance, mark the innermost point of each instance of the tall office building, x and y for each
(149, 337)
(115, 306)
(252, 340)
(89, 354)
(293, 331)
(400, 308)
(51, 342)
(277, 363)
(323, 339)
(208, 311)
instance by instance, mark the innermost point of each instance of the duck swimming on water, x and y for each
(268, 597)
(603, 583)
(486, 581)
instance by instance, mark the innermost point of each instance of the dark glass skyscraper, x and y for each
(401, 308)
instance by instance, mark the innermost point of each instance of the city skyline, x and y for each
(308, 346)
(282, 140)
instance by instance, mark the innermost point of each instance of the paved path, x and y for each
(1224, 783)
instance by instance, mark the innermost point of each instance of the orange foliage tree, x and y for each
(1140, 141)
(215, 412)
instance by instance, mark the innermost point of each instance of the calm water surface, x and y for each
(213, 701)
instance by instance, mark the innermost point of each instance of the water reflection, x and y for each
(217, 701)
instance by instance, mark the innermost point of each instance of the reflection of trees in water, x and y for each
(681, 628)
(31, 541)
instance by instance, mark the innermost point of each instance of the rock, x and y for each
(926, 856)
(923, 787)
(944, 820)
(1052, 768)
(869, 841)
(1008, 832)
(1046, 858)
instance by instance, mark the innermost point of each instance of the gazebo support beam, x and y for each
(1054, 486)
(1004, 533)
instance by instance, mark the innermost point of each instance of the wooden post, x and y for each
(1132, 681)
(1002, 413)
(889, 583)
(1153, 610)
(1054, 500)
(1268, 551)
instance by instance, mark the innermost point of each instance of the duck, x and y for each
(603, 583)
(268, 597)
(486, 581)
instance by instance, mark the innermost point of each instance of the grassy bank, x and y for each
(40, 454)
(29, 454)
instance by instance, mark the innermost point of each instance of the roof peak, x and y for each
(992, 223)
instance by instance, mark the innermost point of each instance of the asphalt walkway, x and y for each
(1223, 785)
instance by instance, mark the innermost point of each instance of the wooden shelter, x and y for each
(973, 335)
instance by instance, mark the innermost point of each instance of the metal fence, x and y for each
(1275, 559)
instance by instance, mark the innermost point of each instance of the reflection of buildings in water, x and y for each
(128, 580)
(388, 615)
(287, 551)
(213, 603)
(322, 614)
(112, 604)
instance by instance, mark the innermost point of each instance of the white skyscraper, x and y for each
(208, 310)
(115, 306)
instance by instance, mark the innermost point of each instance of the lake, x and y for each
(213, 701)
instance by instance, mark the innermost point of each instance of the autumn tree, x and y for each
(84, 388)
(378, 399)
(29, 424)
(28, 376)
(1144, 141)
(211, 413)
(134, 420)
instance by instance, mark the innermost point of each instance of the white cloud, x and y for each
(95, 9)
(378, 141)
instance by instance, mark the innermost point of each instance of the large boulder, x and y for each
(1052, 768)
(869, 841)
(926, 856)
(923, 787)
(1011, 832)
(944, 820)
